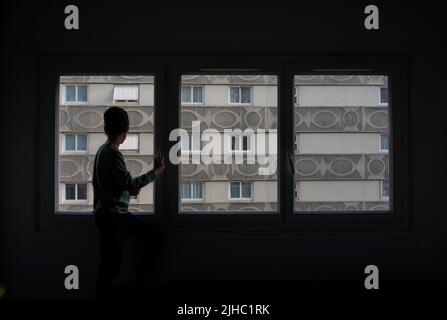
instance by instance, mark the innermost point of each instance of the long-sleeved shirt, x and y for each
(112, 181)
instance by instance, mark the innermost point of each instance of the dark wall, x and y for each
(32, 263)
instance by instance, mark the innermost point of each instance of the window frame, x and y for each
(76, 200)
(76, 85)
(192, 199)
(76, 151)
(167, 69)
(240, 198)
(192, 102)
(380, 143)
(130, 151)
(125, 102)
(250, 87)
(380, 96)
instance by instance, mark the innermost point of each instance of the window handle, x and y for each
(292, 165)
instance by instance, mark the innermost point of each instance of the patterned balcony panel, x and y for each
(341, 119)
(90, 118)
(223, 172)
(342, 167)
(108, 79)
(221, 118)
(88, 208)
(341, 80)
(230, 207)
(230, 79)
(80, 168)
(341, 206)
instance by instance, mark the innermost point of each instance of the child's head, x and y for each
(116, 124)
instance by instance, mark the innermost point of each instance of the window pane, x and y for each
(198, 94)
(186, 94)
(186, 190)
(245, 95)
(224, 128)
(246, 190)
(82, 128)
(82, 142)
(384, 95)
(82, 191)
(338, 164)
(70, 142)
(198, 190)
(385, 189)
(82, 93)
(384, 142)
(70, 93)
(234, 95)
(235, 190)
(70, 191)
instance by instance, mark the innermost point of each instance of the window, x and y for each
(75, 142)
(131, 143)
(384, 142)
(125, 93)
(338, 164)
(295, 95)
(239, 144)
(75, 93)
(76, 192)
(240, 95)
(192, 191)
(240, 190)
(384, 95)
(80, 132)
(384, 189)
(296, 194)
(192, 94)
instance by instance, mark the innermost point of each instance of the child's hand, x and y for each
(135, 192)
(159, 163)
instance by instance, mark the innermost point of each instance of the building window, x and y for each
(384, 95)
(384, 142)
(76, 142)
(75, 94)
(193, 143)
(295, 95)
(125, 93)
(192, 191)
(296, 143)
(339, 160)
(131, 143)
(296, 193)
(240, 143)
(76, 191)
(240, 191)
(240, 95)
(192, 94)
(384, 189)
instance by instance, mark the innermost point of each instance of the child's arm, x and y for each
(123, 177)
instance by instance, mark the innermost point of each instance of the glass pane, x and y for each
(198, 190)
(221, 125)
(246, 190)
(385, 189)
(384, 142)
(86, 121)
(70, 93)
(245, 143)
(235, 190)
(198, 94)
(339, 161)
(186, 94)
(82, 93)
(186, 191)
(82, 191)
(234, 94)
(246, 95)
(70, 191)
(82, 142)
(383, 95)
(70, 142)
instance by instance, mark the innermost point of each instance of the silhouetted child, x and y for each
(112, 186)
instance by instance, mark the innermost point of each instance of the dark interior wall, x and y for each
(32, 264)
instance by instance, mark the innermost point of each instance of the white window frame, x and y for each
(240, 96)
(120, 102)
(190, 144)
(192, 102)
(381, 196)
(192, 199)
(240, 191)
(380, 143)
(240, 137)
(64, 145)
(380, 96)
(138, 142)
(76, 200)
(64, 94)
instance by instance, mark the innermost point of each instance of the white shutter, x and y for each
(131, 142)
(125, 92)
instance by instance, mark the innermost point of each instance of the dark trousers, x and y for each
(113, 229)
